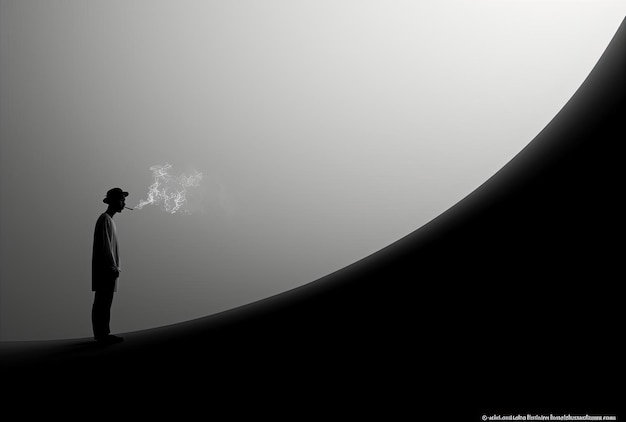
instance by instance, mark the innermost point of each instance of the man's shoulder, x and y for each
(104, 218)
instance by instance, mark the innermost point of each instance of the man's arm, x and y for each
(107, 248)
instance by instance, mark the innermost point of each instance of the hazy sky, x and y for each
(325, 130)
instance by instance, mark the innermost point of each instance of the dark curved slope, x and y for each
(511, 294)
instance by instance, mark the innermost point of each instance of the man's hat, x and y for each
(115, 193)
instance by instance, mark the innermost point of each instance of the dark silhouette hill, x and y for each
(507, 302)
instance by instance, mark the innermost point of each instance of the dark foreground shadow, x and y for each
(22, 354)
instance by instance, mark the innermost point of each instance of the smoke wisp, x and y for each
(169, 191)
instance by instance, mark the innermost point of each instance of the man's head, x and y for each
(116, 199)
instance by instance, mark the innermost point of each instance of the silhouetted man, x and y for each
(105, 266)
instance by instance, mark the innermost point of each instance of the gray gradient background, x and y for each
(326, 130)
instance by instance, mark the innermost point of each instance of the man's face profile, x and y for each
(120, 203)
(117, 203)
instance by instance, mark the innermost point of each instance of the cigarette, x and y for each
(128, 208)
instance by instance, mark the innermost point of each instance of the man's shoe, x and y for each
(114, 339)
(110, 339)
